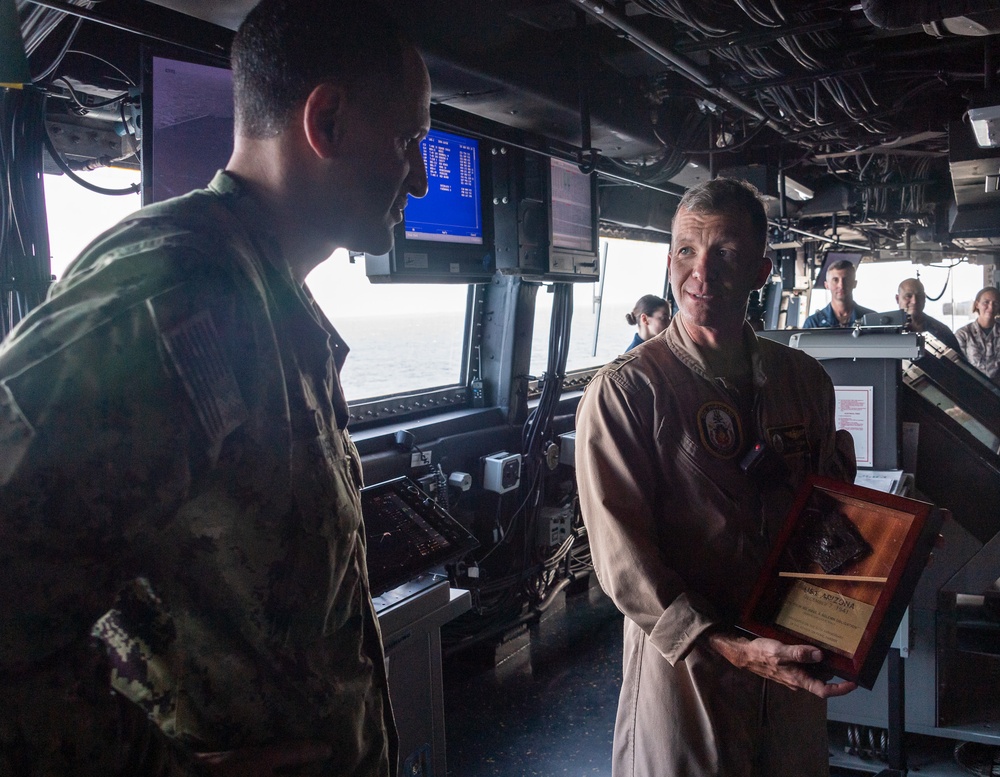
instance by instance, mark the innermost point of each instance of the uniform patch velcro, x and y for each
(619, 361)
(208, 378)
(790, 440)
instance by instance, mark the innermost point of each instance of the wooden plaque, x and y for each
(842, 573)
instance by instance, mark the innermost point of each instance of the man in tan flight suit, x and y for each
(679, 531)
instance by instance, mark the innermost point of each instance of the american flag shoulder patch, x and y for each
(193, 346)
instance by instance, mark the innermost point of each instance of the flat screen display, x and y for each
(452, 210)
(191, 127)
(572, 207)
(407, 534)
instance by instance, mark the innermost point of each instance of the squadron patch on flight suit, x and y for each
(790, 440)
(208, 378)
(720, 429)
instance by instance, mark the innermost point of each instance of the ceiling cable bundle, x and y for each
(38, 22)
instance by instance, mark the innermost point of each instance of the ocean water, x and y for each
(396, 354)
(613, 336)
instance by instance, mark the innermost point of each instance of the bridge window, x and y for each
(77, 215)
(403, 337)
(600, 332)
(955, 284)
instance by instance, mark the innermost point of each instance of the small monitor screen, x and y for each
(192, 126)
(572, 207)
(407, 534)
(452, 210)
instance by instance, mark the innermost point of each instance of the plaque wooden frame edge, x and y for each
(866, 663)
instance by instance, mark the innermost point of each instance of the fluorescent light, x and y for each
(797, 191)
(986, 125)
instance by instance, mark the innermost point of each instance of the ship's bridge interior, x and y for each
(854, 116)
(871, 127)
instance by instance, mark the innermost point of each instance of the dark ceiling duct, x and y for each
(894, 15)
(683, 66)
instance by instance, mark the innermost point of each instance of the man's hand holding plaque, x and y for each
(797, 666)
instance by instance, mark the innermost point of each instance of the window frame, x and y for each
(433, 399)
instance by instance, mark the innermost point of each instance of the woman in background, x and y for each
(651, 314)
(980, 340)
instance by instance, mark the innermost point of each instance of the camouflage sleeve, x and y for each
(51, 723)
(95, 457)
(98, 439)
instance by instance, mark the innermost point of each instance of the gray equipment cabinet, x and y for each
(410, 618)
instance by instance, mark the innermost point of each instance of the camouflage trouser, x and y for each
(63, 720)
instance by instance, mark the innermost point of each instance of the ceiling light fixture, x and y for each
(986, 125)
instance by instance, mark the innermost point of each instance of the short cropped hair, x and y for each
(843, 264)
(285, 48)
(729, 195)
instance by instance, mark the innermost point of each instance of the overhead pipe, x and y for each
(833, 241)
(803, 79)
(755, 39)
(566, 156)
(673, 60)
(93, 16)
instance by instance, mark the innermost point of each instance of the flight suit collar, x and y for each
(684, 347)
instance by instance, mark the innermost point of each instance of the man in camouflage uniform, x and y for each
(179, 498)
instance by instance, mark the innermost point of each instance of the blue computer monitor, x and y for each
(452, 210)
(446, 236)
